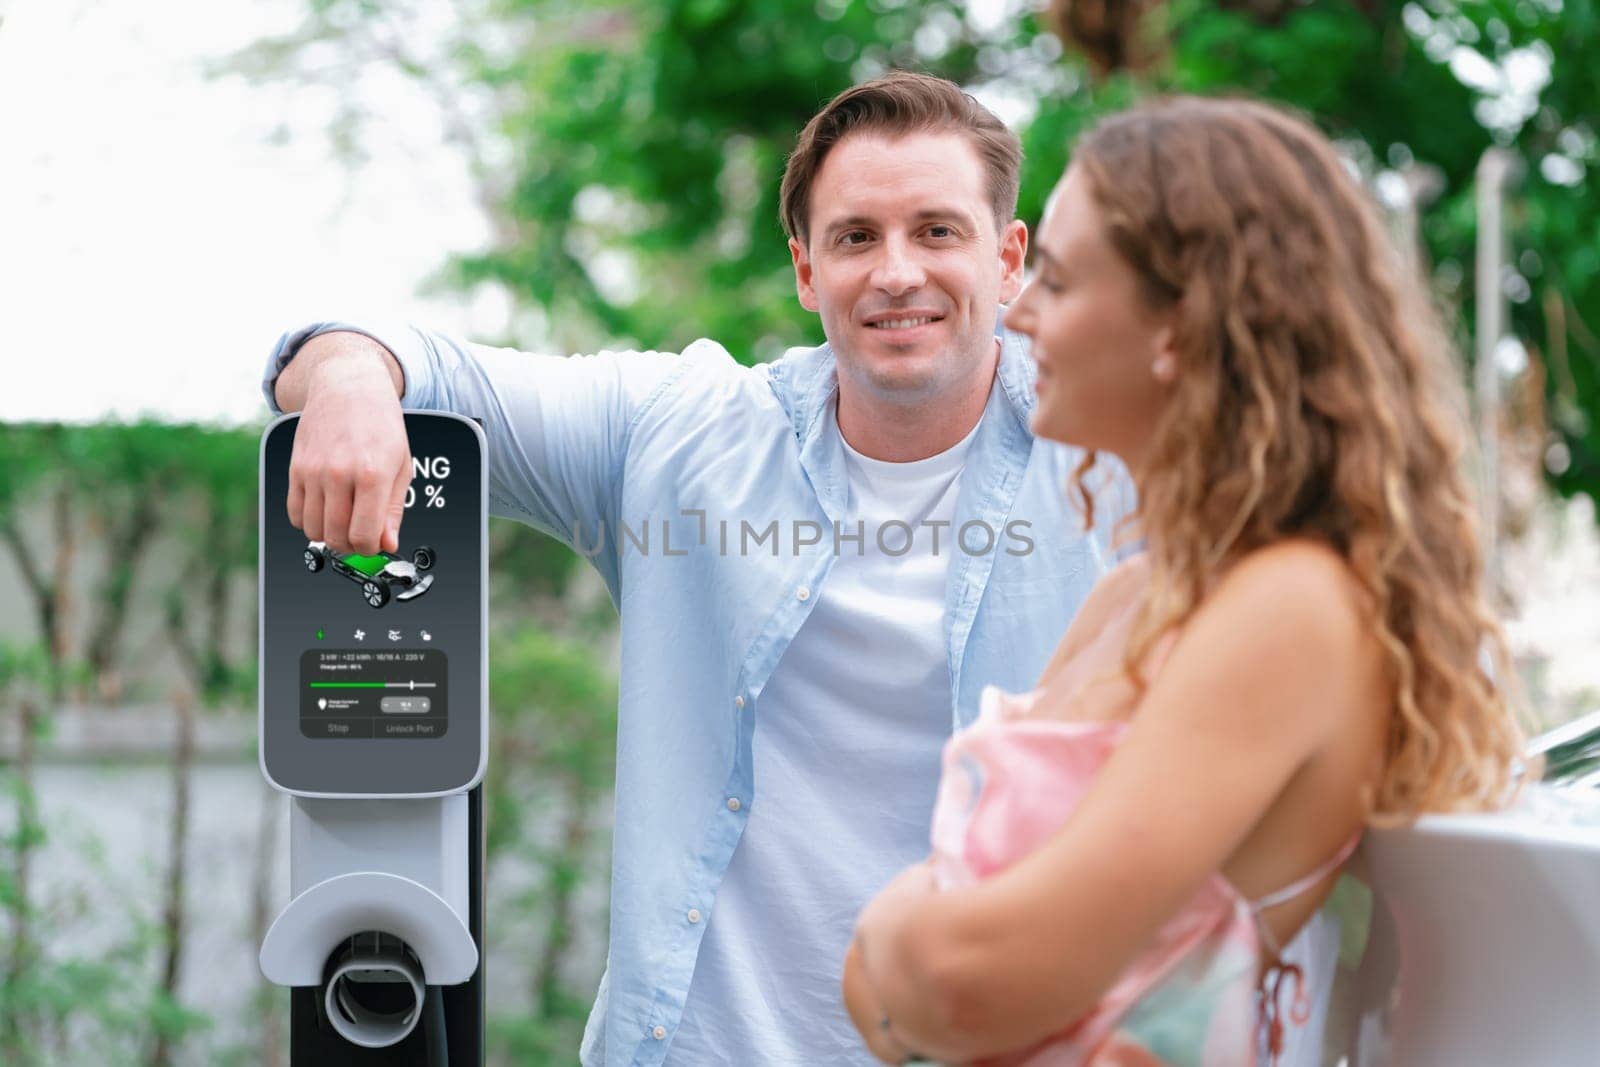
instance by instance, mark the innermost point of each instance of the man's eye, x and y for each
(853, 237)
(941, 231)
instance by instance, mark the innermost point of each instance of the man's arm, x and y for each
(341, 354)
(351, 462)
(557, 428)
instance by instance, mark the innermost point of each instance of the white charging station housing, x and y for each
(374, 719)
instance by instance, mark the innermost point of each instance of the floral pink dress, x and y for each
(1195, 997)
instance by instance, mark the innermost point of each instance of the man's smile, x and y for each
(902, 325)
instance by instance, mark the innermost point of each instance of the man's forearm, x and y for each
(340, 353)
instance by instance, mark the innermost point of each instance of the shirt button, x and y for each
(659, 1033)
(803, 593)
(738, 702)
(733, 804)
(694, 915)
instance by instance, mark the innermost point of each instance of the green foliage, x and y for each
(20, 665)
(29, 457)
(554, 727)
(64, 1006)
(643, 142)
(524, 562)
(552, 751)
(646, 140)
(219, 527)
(1383, 80)
(102, 1006)
(659, 129)
(127, 485)
(553, 700)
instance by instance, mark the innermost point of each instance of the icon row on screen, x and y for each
(361, 635)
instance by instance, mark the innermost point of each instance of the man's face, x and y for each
(905, 267)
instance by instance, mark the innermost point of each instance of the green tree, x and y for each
(629, 152)
(1404, 87)
(56, 1005)
(643, 141)
(107, 492)
(214, 501)
(552, 750)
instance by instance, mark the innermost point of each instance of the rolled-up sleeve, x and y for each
(557, 426)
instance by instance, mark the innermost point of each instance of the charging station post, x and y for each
(374, 720)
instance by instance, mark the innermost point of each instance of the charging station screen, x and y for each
(358, 692)
(372, 666)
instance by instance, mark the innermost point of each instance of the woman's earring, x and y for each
(1164, 368)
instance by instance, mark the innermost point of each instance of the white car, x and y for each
(1484, 947)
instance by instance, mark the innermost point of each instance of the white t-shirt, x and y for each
(848, 734)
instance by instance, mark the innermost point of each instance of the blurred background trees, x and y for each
(626, 156)
(629, 152)
(136, 549)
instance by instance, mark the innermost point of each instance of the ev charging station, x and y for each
(374, 719)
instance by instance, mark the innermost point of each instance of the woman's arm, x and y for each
(1275, 667)
(861, 1001)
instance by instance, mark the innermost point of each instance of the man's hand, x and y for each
(351, 463)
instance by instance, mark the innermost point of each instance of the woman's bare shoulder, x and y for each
(1298, 616)
(1299, 580)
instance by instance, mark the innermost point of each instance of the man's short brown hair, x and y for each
(900, 103)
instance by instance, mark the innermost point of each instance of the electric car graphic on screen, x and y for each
(382, 577)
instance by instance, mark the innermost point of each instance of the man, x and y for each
(850, 543)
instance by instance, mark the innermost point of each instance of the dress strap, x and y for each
(1269, 1010)
(1300, 885)
(1294, 889)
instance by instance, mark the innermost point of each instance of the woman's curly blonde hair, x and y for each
(1316, 396)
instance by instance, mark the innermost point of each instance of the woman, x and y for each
(1300, 650)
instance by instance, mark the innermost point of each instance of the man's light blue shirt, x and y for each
(668, 472)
